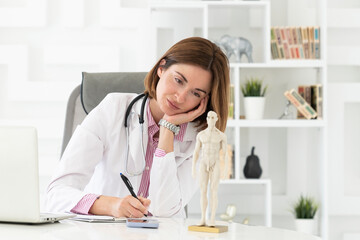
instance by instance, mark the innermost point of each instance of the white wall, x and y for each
(44, 47)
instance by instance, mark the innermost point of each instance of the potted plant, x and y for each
(254, 98)
(304, 210)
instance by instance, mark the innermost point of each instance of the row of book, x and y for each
(308, 101)
(295, 42)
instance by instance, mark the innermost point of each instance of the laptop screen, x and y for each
(19, 174)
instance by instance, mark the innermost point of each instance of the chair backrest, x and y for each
(93, 89)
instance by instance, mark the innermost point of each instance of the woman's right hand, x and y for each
(189, 116)
(120, 207)
(130, 207)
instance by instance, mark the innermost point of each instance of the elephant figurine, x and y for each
(236, 46)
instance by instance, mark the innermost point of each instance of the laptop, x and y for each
(19, 177)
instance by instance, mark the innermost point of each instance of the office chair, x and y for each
(93, 89)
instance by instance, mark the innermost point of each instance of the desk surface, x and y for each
(168, 229)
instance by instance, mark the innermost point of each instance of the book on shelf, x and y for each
(295, 42)
(227, 173)
(305, 92)
(311, 42)
(274, 45)
(289, 38)
(317, 42)
(285, 43)
(279, 45)
(231, 102)
(300, 103)
(299, 41)
(305, 41)
(317, 99)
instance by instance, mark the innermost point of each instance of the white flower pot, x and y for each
(254, 107)
(306, 226)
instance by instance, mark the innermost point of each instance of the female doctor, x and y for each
(191, 78)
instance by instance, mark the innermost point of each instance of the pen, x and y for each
(129, 186)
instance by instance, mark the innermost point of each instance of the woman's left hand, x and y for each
(178, 119)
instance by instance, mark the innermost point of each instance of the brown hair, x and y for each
(204, 53)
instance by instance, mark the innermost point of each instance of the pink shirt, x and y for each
(84, 205)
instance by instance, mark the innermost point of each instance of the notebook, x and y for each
(99, 219)
(19, 177)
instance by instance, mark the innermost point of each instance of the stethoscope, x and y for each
(141, 122)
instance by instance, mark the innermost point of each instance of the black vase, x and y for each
(252, 167)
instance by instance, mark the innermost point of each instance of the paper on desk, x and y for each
(98, 218)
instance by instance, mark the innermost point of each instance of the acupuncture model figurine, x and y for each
(209, 141)
(237, 46)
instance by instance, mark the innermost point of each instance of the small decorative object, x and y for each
(245, 221)
(237, 46)
(208, 143)
(252, 167)
(230, 213)
(304, 211)
(287, 113)
(254, 99)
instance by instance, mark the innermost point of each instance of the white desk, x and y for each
(168, 229)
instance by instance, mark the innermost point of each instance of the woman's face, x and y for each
(181, 88)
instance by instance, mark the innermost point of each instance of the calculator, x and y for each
(142, 223)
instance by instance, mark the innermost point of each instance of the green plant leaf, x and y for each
(305, 207)
(252, 88)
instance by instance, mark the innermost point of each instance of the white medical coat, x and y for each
(95, 156)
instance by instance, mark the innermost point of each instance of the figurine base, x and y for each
(216, 229)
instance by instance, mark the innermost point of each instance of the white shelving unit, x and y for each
(203, 24)
(205, 7)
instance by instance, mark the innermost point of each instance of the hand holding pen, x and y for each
(131, 190)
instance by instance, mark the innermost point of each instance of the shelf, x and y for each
(275, 123)
(282, 64)
(202, 4)
(246, 181)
